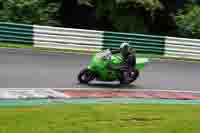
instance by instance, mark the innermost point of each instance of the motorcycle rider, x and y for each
(128, 56)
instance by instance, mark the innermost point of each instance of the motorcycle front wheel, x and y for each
(85, 76)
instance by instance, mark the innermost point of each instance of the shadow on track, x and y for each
(102, 85)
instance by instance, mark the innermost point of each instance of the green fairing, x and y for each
(99, 66)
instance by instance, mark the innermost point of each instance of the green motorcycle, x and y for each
(98, 69)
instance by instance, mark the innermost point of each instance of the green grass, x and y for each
(15, 45)
(111, 118)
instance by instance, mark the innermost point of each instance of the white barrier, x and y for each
(67, 38)
(91, 40)
(182, 48)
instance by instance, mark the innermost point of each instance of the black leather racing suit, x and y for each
(129, 59)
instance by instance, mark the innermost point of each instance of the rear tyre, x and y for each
(127, 77)
(134, 75)
(123, 80)
(85, 76)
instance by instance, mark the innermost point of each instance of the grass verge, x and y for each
(15, 45)
(115, 118)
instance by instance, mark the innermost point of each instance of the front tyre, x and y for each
(85, 76)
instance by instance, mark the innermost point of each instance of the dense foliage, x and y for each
(188, 22)
(128, 15)
(29, 11)
(142, 16)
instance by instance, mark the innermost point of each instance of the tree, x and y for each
(125, 15)
(77, 14)
(142, 16)
(188, 21)
(30, 12)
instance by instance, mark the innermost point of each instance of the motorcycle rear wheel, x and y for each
(134, 76)
(128, 78)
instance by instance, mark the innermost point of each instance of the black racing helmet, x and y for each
(124, 48)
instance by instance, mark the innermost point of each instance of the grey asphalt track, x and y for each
(23, 68)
